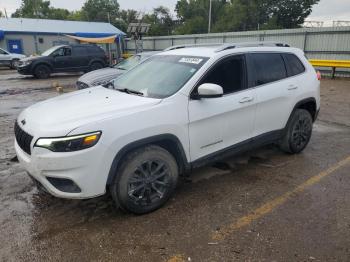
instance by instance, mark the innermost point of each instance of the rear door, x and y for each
(219, 123)
(81, 57)
(274, 92)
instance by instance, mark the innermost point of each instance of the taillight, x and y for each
(319, 76)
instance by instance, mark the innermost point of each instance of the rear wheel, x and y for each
(145, 180)
(95, 66)
(298, 132)
(42, 72)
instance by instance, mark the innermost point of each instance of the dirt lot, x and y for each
(262, 206)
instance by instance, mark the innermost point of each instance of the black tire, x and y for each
(95, 66)
(145, 180)
(298, 132)
(42, 72)
(14, 63)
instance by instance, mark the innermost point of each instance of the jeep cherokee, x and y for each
(178, 110)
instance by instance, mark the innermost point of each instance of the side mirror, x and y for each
(210, 91)
(109, 84)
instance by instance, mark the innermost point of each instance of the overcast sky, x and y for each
(326, 10)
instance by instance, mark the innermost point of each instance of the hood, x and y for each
(17, 55)
(100, 76)
(31, 58)
(60, 115)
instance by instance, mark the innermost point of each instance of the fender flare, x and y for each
(180, 155)
(100, 61)
(297, 105)
(39, 63)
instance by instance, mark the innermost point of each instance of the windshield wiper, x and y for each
(129, 91)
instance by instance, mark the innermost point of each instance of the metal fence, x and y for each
(317, 43)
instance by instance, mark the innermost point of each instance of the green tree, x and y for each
(193, 15)
(75, 16)
(100, 10)
(160, 20)
(242, 15)
(33, 9)
(125, 17)
(1, 14)
(40, 9)
(290, 13)
(58, 14)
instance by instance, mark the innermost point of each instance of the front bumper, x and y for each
(85, 169)
(25, 70)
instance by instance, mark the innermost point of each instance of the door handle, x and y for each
(246, 100)
(292, 87)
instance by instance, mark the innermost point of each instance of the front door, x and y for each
(219, 123)
(15, 46)
(62, 59)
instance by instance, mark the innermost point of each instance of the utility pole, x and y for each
(209, 25)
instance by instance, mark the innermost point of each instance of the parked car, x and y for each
(9, 59)
(64, 58)
(176, 111)
(103, 76)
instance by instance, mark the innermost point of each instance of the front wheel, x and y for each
(298, 132)
(145, 180)
(42, 72)
(14, 63)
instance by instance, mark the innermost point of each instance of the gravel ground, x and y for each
(261, 206)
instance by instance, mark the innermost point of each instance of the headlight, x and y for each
(69, 143)
(25, 63)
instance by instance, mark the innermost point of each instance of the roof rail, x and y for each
(226, 46)
(191, 45)
(249, 44)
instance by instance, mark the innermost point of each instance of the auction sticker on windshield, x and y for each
(191, 60)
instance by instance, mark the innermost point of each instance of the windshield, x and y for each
(50, 51)
(160, 76)
(128, 63)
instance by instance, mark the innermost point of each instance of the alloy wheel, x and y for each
(149, 183)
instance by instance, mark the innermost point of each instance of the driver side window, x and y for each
(64, 51)
(229, 73)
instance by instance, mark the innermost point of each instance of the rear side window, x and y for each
(269, 67)
(293, 64)
(96, 50)
(79, 51)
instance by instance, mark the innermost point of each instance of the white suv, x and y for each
(178, 110)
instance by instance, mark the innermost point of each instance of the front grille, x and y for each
(23, 139)
(82, 85)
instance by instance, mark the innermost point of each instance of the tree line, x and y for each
(189, 17)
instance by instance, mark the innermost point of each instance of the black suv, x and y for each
(64, 58)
